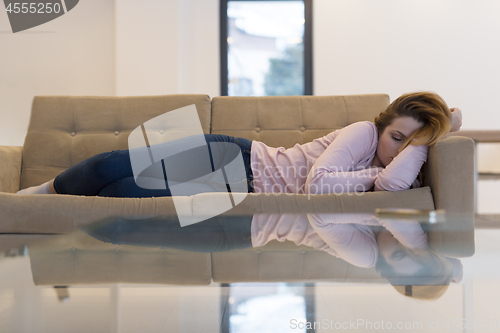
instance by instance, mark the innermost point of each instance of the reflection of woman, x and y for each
(384, 156)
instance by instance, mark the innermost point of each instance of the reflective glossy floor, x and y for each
(65, 284)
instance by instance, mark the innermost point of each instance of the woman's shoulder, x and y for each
(361, 129)
(362, 125)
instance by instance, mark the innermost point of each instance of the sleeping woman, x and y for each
(385, 155)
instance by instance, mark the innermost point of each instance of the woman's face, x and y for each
(396, 255)
(393, 138)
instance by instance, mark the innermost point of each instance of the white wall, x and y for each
(167, 47)
(397, 46)
(199, 55)
(146, 47)
(71, 55)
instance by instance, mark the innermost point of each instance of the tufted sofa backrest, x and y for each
(65, 130)
(284, 121)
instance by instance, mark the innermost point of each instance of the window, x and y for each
(267, 307)
(266, 48)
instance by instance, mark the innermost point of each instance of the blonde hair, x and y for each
(429, 293)
(430, 283)
(425, 107)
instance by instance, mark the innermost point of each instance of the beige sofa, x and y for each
(64, 130)
(76, 259)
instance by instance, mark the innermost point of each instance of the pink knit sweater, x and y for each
(336, 163)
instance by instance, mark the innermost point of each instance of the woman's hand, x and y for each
(456, 123)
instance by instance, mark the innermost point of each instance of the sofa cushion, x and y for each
(80, 259)
(52, 214)
(65, 130)
(286, 120)
(287, 262)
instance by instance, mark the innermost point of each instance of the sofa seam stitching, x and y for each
(74, 130)
(346, 112)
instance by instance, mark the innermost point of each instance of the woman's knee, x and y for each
(115, 164)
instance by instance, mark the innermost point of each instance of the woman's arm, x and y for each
(409, 234)
(403, 170)
(352, 242)
(333, 171)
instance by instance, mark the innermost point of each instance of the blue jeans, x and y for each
(110, 174)
(219, 233)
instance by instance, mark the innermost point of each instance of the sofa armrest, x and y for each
(10, 168)
(449, 172)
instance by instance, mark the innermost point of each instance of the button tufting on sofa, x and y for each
(73, 133)
(257, 129)
(117, 132)
(302, 129)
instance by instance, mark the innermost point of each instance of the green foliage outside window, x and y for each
(286, 74)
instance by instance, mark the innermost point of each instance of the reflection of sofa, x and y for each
(64, 130)
(77, 258)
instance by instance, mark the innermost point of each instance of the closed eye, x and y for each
(397, 139)
(398, 255)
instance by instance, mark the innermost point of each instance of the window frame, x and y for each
(308, 64)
